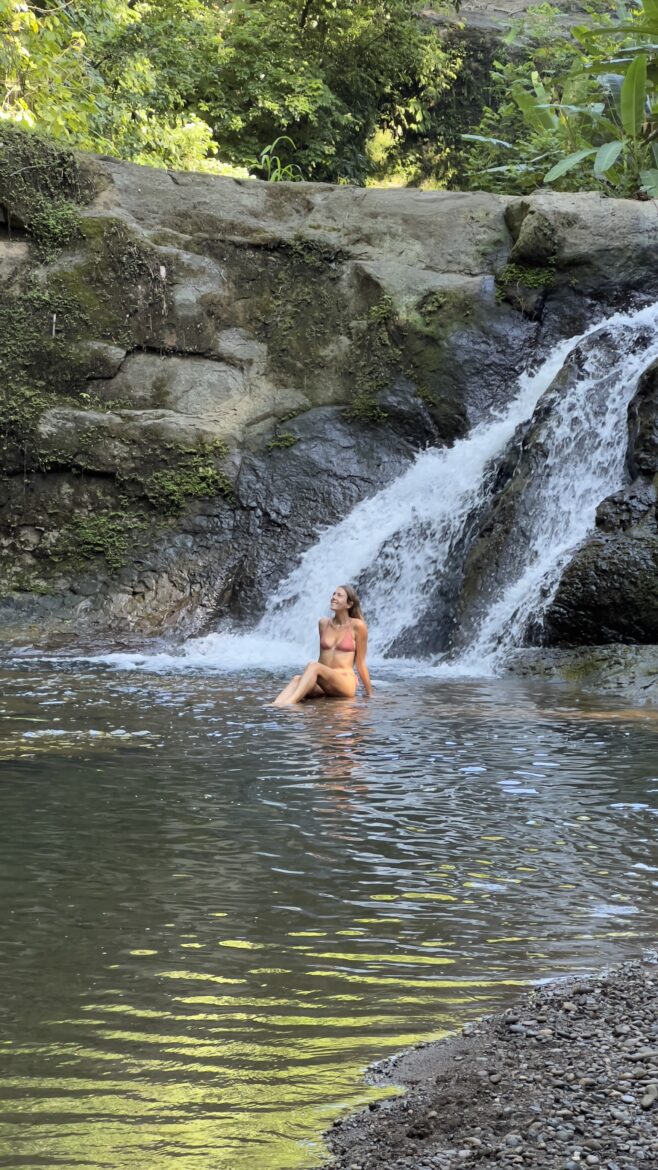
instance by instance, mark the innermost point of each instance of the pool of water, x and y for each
(214, 915)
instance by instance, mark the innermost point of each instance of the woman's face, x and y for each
(339, 599)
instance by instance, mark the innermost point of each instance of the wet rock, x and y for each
(609, 591)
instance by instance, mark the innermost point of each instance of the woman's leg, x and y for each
(338, 684)
(285, 694)
(283, 698)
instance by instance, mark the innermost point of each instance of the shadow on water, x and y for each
(214, 914)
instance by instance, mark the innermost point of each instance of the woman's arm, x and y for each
(361, 635)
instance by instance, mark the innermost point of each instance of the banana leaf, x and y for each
(568, 163)
(634, 96)
(606, 157)
(649, 181)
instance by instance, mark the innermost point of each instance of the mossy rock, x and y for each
(298, 303)
(42, 187)
(120, 283)
(192, 475)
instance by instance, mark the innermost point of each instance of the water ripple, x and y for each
(213, 915)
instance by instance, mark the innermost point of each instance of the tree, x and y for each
(178, 82)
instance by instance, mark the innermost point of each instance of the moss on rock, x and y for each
(105, 535)
(39, 327)
(42, 187)
(122, 284)
(302, 306)
(377, 362)
(193, 475)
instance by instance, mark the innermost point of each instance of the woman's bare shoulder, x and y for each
(359, 624)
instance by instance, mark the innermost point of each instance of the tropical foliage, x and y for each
(185, 83)
(352, 91)
(580, 114)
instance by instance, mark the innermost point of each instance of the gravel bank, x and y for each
(567, 1079)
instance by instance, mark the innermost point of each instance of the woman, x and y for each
(343, 644)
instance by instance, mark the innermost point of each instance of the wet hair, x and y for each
(354, 608)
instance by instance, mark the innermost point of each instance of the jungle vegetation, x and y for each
(347, 91)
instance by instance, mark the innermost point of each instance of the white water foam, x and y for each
(401, 538)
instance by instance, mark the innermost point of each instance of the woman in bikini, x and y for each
(343, 644)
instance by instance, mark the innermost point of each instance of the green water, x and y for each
(214, 915)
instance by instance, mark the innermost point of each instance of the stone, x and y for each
(319, 337)
(650, 1097)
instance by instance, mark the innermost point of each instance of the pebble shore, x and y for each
(565, 1080)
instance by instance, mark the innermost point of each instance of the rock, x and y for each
(176, 338)
(623, 998)
(650, 1097)
(643, 426)
(536, 236)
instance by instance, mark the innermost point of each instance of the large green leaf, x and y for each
(606, 156)
(642, 30)
(568, 163)
(650, 182)
(651, 10)
(536, 116)
(634, 96)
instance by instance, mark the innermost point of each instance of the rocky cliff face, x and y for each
(198, 372)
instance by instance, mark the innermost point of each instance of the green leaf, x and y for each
(490, 141)
(612, 83)
(535, 116)
(568, 163)
(634, 96)
(606, 156)
(649, 181)
(647, 30)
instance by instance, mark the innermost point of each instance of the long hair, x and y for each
(354, 609)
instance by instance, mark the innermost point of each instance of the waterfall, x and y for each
(396, 545)
(585, 438)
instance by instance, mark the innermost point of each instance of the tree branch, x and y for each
(304, 14)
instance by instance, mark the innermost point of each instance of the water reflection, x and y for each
(213, 915)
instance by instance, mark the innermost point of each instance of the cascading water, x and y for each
(399, 542)
(585, 439)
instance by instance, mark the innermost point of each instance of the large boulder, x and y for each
(199, 373)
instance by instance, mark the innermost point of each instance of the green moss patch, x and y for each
(379, 360)
(38, 331)
(107, 535)
(41, 188)
(302, 308)
(282, 440)
(120, 284)
(194, 476)
(527, 276)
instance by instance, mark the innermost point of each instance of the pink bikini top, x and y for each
(339, 645)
